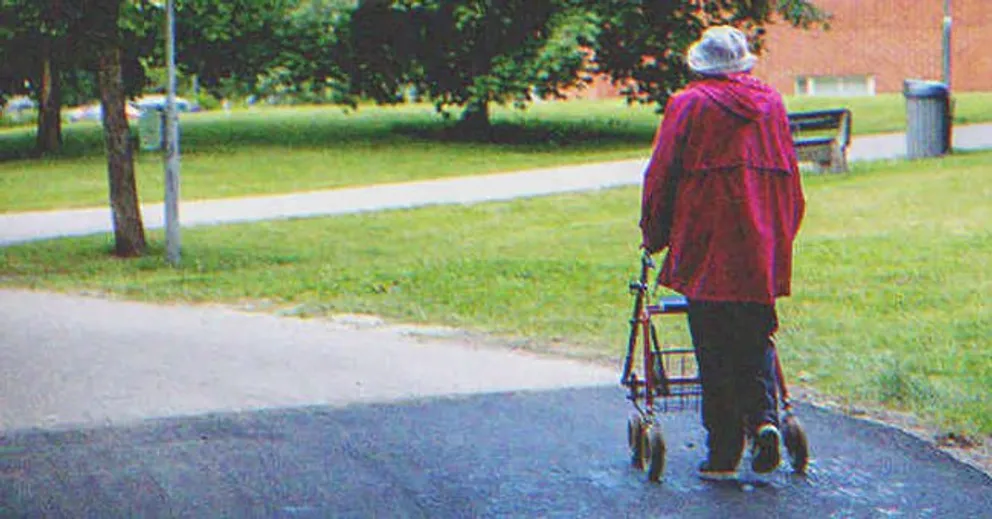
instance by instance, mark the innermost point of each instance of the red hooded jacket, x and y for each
(722, 191)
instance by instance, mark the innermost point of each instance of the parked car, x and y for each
(157, 102)
(20, 103)
(94, 112)
(18, 108)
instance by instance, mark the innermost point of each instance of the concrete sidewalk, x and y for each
(22, 227)
(80, 362)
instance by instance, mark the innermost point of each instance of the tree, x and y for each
(50, 93)
(473, 53)
(641, 44)
(111, 26)
(33, 50)
(45, 53)
(46, 47)
(306, 66)
(104, 36)
(469, 53)
(43, 42)
(224, 41)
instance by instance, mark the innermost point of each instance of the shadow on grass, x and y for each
(220, 135)
(533, 133)
(19, 143)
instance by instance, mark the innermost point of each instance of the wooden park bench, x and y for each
(822, 137)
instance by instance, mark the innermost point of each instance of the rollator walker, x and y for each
(666, 379)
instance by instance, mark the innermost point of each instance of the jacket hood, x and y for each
(740, 94)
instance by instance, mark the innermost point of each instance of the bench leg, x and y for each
(838, 160)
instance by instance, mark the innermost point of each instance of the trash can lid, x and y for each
(922, 88)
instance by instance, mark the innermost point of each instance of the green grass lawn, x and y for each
(280, 150)
(893, 276)
(295, 149)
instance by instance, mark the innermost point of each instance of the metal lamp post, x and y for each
(172, 238)
(946, 44)
(949, 143)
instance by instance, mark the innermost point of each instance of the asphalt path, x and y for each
(119, 409)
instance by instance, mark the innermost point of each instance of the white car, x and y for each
(20, 103)
(94, 112)
(157, 102)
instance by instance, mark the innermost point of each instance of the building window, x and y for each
(839, 86)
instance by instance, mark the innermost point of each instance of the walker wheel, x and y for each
(796, 443)
(656, 441)
(633, 425)
(637, 440)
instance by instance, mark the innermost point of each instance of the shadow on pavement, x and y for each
(528, 454)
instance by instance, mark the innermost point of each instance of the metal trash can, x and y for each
(928, 118)
(151, 129)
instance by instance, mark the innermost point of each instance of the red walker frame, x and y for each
(660, 391)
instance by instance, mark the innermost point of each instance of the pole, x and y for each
(949, 122)
(947, 43)
(172, 239)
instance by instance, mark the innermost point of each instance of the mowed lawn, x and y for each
(280, 150)
(892, 282)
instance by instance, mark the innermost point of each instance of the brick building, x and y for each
(873, 45)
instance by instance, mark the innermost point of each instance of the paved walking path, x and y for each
(21, 227)
(69, 361)
(120, 409)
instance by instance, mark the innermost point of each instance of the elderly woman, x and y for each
(722, 192)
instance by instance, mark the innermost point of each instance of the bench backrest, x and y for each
(837, 119)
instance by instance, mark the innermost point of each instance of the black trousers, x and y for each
(735, 352)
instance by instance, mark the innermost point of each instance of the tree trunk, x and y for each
(49, 105)
(475, 119)
(129, 232)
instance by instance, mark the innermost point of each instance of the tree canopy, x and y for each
(47, 51)
(47, 47)
(641, 44)
(463, 53)
(474, 52)
(454, 53)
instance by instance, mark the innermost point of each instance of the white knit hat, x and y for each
(720, 50)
